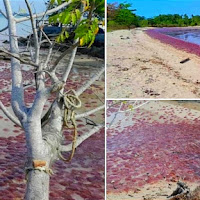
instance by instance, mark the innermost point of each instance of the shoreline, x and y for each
(144, 67)
(179, 44)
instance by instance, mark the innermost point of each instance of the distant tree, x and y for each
(125, 16)
(121, 15)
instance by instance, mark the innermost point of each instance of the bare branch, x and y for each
(34, 33)
(85, 114)
(16, 56)
(73, 54)
(49, 12)
(81, 138)
(3, 29)
(3, 14)
(45, 35)
(122, 111)
(75, 45)
(50, 48)
(51, 75)
(71, 61)
(17, 97)
(90, 82)
(9, 115)
(48, 55)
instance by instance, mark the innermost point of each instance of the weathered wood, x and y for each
(185, 60)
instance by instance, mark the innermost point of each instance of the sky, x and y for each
(38, 4)
(151, 8)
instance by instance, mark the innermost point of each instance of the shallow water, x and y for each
(191, 35)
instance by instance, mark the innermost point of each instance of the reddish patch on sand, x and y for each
(83, 176)
(150, 151)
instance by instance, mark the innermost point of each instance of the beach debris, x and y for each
(113, 182)
(197, 82)
(127, 38)
(122, 69)
(182, 191)
(125, 69)
(144, 68)
(185, 60)
(151, 92)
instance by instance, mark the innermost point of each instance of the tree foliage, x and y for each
(122, 16)
(85, 28)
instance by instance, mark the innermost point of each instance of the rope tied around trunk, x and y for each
(71, 102)
(40, 165)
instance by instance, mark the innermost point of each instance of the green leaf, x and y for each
(73, 18)
(66, 18)
(58, 39)
(78, 14)
(62, 37)
(92, 41)
(53, 18)
(52, 1)
(59, 2)
(66, 34)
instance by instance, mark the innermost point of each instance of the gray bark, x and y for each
(37, 186)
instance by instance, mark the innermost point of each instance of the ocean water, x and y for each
(190, 35)
(23, 29)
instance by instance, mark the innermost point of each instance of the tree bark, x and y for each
(37, 185)
(42, 144)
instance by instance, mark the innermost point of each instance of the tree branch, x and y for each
(22, 19)
(90, 82)
(17, 97)
(122, 111)
(3, 14)
(73, 54)
(3, 29)
(81, 138)
(9, 115)
(45, 35)
(69, 67)
(36, 44)
(85, 114)
(16, 56)
(48, 55)
(64, 54)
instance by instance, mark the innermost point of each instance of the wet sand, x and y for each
(142, 67)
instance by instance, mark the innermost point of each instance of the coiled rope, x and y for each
(71, 102)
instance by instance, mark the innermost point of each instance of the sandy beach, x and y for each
(142, 67)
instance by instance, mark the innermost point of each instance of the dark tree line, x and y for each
(121, 16)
